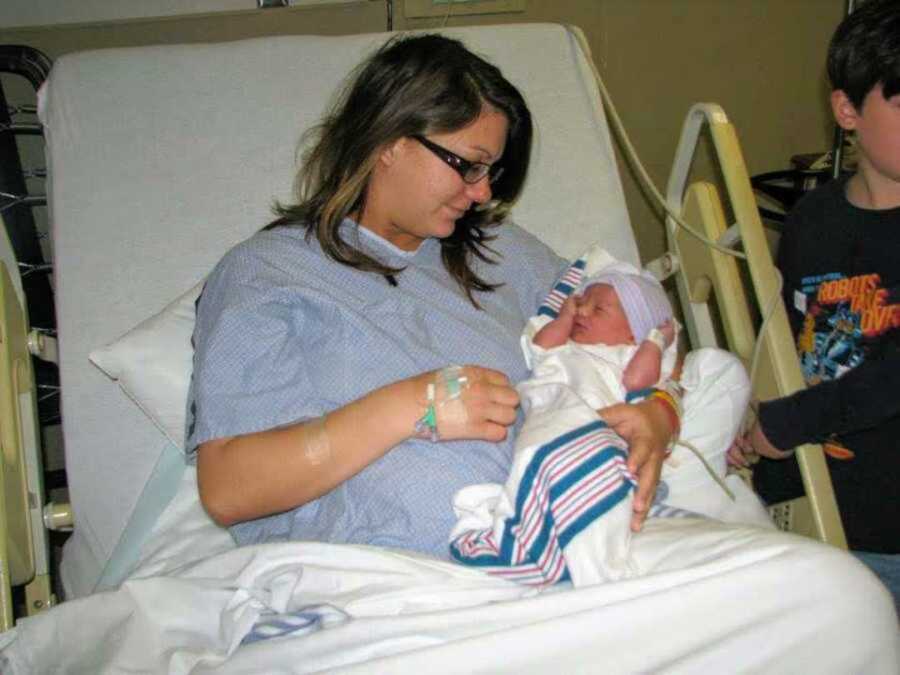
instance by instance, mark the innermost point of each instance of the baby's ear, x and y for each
(845, 113)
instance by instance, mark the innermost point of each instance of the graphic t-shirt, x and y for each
(841, 268)
(842, 316)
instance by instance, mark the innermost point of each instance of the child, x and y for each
(564, 512)
(840, 258)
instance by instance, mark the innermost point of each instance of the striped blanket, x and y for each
(565, 510)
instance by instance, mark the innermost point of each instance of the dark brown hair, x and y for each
(413, 85)
(865, 51)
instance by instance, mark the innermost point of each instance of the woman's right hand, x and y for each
(483, 410)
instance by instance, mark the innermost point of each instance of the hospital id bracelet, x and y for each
(656, 337)
(671, 407)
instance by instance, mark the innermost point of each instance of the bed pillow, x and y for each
(153, 362)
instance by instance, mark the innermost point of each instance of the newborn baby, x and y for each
(565, 510)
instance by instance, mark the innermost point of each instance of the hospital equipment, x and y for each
(161, 158)
(26, 329)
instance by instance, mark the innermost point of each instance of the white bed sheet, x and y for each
(713, 598)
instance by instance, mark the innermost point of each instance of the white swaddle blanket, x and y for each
(565, 509)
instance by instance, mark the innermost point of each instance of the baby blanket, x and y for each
(564, 512)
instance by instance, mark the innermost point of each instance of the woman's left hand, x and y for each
(646, 428)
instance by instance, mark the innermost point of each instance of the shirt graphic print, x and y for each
(842, 316)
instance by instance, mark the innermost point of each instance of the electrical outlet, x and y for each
(438, 8)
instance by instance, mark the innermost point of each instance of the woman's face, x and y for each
(599, 318)
(414, 194)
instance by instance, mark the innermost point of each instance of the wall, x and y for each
(19, 13)
(762, 60)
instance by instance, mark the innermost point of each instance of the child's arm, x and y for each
(646, 365)
(557, 332)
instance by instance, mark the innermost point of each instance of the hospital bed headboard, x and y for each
(162, 158)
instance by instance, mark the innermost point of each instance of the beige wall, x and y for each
(762, 60)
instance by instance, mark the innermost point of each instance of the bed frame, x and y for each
(709, 284)
(24, 542)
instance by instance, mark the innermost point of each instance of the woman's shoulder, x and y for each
(259, 269)
(514, 243)
(510, 233)
(525, 265)
(269, 242)
(266, 249)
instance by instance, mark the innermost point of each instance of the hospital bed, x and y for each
(163, 158)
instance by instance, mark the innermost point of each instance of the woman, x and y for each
(320, 340)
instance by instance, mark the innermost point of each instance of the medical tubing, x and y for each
(770, 310)
(757, 347)
(445, 407)
(631, 153)
(709, 469)
(673, 407)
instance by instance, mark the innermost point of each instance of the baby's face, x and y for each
(599, 318)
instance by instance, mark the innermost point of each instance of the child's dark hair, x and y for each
(865, 51)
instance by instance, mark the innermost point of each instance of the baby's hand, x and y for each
(568, 309)
(555, 333)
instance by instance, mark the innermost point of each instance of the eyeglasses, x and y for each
(471, 172)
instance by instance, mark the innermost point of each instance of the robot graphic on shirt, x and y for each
(836, 349)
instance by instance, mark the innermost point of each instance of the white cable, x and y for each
(770, 310)
(708, 468)
(631, 153)
(447, 15)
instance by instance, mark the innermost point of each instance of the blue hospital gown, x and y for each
(285, 334)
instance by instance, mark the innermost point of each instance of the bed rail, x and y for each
(24, 548)
(706, 277)
(25, 296)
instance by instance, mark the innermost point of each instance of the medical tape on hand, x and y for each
(446, 409)
(316, 446)
(450, 409)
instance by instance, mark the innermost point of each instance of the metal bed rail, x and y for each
(28, 387)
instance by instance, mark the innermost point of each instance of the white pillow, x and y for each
(153, 362)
